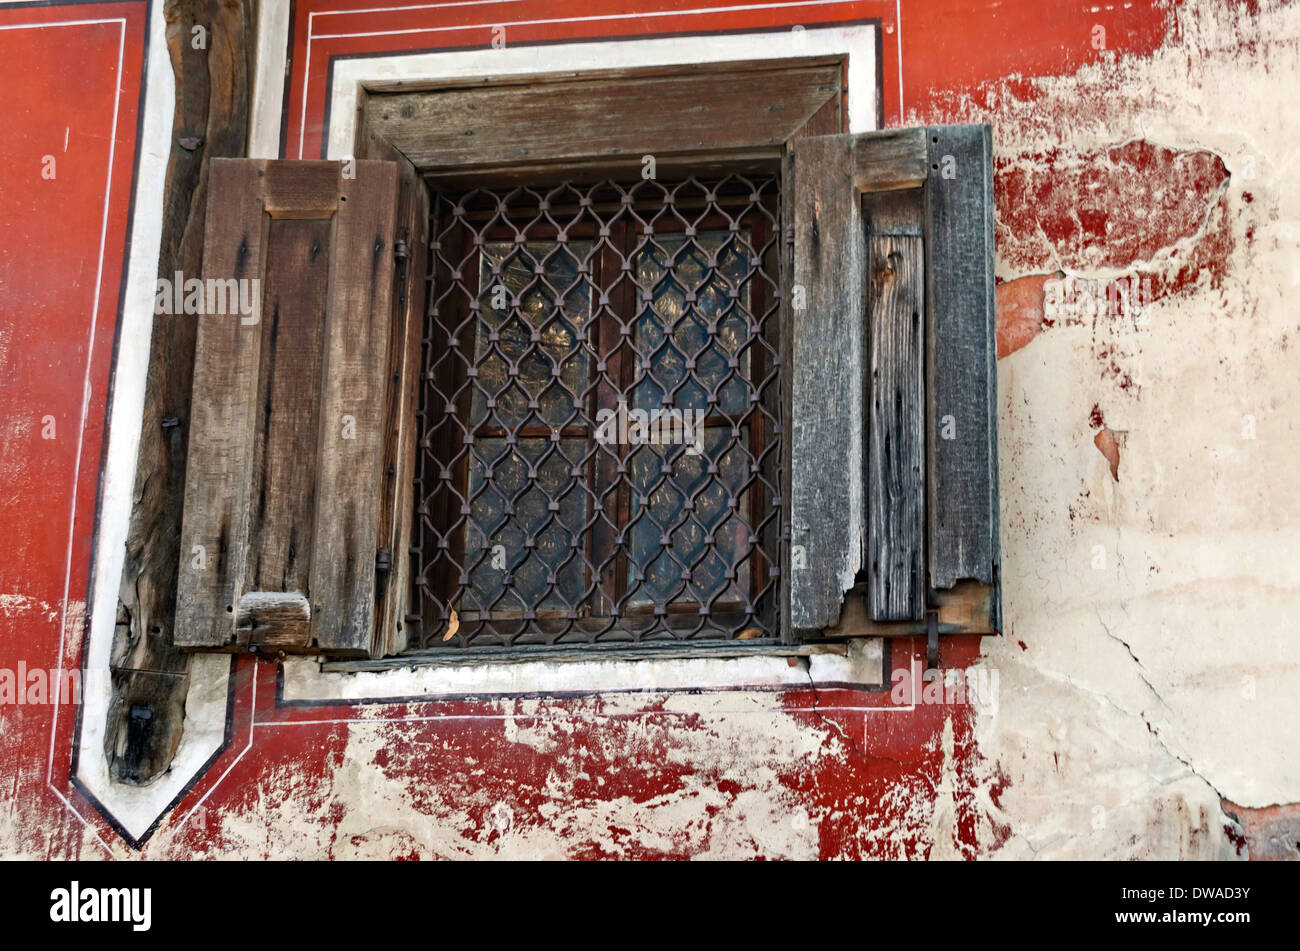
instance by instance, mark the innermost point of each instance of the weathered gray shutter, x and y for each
(894, 381)
(301, 443)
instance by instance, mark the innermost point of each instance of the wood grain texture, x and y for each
(827, 385)
(961, 360)
(896, 587)
(284, 489)
(283, 493)
(279, 620)
(217, 510)
(354, 381)
(210, 120)
(889, 160)
(828, 120)
(397, 505)
(523, 123)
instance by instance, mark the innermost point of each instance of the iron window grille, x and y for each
(600, 416)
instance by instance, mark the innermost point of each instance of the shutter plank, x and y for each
(398, 505)
(284, 473)
(896, 589)
(222, 420)
(827, 398)
(961, 365)
(358, 324)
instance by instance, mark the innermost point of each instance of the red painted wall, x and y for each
(59, 299)
(70, 83)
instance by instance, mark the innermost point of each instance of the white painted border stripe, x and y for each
(864, 664)
(898, 28)
(252, 722)
(646, 15)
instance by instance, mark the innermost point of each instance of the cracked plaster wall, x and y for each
(1149, 666)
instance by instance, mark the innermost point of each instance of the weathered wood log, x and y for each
(150, 676)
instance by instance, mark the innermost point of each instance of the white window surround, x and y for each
(136, 809)
(855, 42)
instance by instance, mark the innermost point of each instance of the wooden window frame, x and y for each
(428, 126)
(753, 110)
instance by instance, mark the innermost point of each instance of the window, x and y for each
(601, 423)
(442, 432)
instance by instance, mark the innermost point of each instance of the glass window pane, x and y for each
(674, 332)
(660, 508)
(514, 534)
(547, 330)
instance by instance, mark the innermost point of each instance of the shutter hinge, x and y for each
(401, 251)
(932, 640)
(383, 565)
(789, 234)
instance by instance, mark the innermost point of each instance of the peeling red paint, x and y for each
(1112, 208)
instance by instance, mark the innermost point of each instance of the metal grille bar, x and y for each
(600, 418)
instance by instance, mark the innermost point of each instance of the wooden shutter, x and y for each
(894, 381)
(301, 444)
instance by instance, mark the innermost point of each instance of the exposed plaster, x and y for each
(1188, 565)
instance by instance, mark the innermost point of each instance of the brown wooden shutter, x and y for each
(894, 382)
(301, 444)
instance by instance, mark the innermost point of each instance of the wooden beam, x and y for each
(448, 131)
(210, 120)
